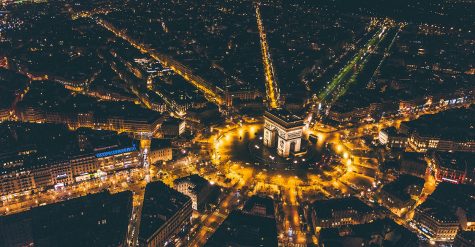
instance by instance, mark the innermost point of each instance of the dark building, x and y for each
(436, 221)
(240, 95)
(70, 157)
(459, 200)
(393, 138)
(172, 127)
(455, 195)
(453, 167)
(261, 206)
(446, 131)
(464, 239)
(12, 87)
(160, 150)
(341, 114)
(450, 130)
(466, 216)
(94, 220)
(340, 212)
(396, 195)
(378, 233)
(245, 229)
(413, 164)
(198, 189)
(49, 102)
(165, 213)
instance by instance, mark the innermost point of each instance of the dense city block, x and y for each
(237, 123)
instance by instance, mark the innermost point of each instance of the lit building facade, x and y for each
(24, 178)
(340, 212)
(118, 159)
(160, 150)
(244, 94)
(165, 213)
(172, 127)
(196, 187)
(90, 120)
(436, 222)
(466, 219)
(398, 196)
(284, 131)
(419, 143)
(464, 239)
(99, 219)
(392, 138)
(450, 167)
(161, 154)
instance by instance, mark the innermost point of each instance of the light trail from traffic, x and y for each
(213, 220)
(272, 90)
(212, 93)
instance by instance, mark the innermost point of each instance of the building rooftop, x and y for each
(465, 236)
(455, 124)
(437, 211)
(393, 132)
(413, 156)
(25, 142)
(52, 97)
(160, 204)
(199, 182)
(400, 188)
(94, 220)
(127, 111)
(284, 118)
(392, 235)
(11, 84)
(241, 88)
(260, 205)
(171, 121)
(455, 195)
(460, 161)
(326, 208)
(160, 143)
(243, 229)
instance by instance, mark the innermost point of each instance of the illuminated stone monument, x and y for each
(283, 130)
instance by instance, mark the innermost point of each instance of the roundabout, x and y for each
(323, 168)
(240, 157)
(238, 152)
(245, 145)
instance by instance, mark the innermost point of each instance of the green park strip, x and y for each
(346, 74)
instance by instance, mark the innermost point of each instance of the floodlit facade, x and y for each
(284, 131)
